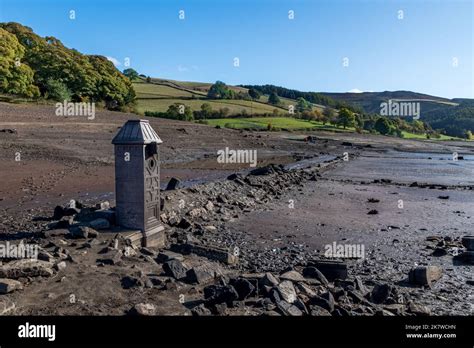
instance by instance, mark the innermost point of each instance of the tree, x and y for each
(468, 135)
(382, 126)
(302, 105)
(328, 115)
(180, 111)
(39, 60)
(273, 99)
(206, 110)
(148, 79)
(16, 77)
(254, 94)
(131, 74)
(57, 90)
(346, 118)
(219, 90)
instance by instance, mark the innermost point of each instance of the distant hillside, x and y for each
(158, 94)
(32, 66)
(452, 116)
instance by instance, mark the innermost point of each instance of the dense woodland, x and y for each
(33, 67)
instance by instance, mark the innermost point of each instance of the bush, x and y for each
(57, 90)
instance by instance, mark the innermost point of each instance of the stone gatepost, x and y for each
(137, 183)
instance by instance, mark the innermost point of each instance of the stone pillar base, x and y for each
(154, 238)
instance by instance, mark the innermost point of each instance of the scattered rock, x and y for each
(289, 309)
(144, 309)
(217, 294)
(468, 242)
(60, 266)
(200, 311)
(175, 269)
(167, 255)
(373, 212)
(99, 224)
(287, 291)
(313, 272)
(425, 275)
(293, 276)
(9, 285)
(199, 275)
(268, 280)
(173, 184)
(243, 287)
(332, 269)
(26, 268)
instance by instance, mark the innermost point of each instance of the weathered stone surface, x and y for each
(319, 311)
(289, 309)
(103, 205)
(213, 253)
(83, 232)
(144, 309)
(268, 280)
(9, 285)
(56, 233)
(314, 273)
(6, 305)
(425, 275)
(332, 269)
(112, 257)
(325, 301)
(418, 309)
(173, 184)
(175, 269)
(200, 311)
(199, 275)
(167, 255)
(468, 257)
(287, 291)
(26, 268)
(60, 266)
(380, 293)
(293, 276)
(99, 224)
(216, 294)
(58, 212)
(43, 255)
(468, 242)
(243, 287)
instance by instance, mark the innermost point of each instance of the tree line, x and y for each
(35, 67)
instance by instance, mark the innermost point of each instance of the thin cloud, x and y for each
(114, 61)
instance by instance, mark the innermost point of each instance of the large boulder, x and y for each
(26, 268)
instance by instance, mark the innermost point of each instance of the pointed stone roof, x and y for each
(136, 132)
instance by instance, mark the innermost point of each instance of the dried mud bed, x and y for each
(279, 222)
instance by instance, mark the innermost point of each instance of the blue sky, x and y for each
(306, 53)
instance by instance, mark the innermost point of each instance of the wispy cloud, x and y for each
(182, 68)
(356, 90)
(114, 61)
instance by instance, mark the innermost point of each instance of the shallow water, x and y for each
(407, 167)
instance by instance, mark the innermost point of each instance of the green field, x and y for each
(278, 123)
(160, 94)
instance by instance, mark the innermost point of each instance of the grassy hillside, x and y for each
(159, 94)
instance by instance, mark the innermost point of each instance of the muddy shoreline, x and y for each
(279, 220)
